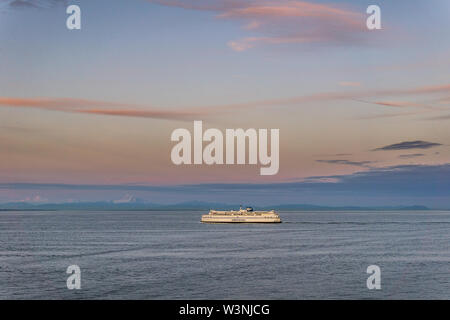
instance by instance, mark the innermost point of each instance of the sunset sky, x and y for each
(364, 115)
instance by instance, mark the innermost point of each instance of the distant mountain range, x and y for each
(192, 205)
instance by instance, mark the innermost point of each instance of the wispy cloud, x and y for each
(418, 144)
(404, 104)
(349, 84)
(334, 155)
(396, 104)
(409, 156)
(364, 164)
(342, 154)
(86, 106)
(351, 95)
(22, 4)
(100, 108)
(445, 100)
(394, 115)
(444, 117)
(280, 22)
(34, 3)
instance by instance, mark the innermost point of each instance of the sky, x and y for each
(87, 115)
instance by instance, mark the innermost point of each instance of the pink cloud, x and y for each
(100, 107)
(291, 9)
(281, 22)
(247, 43)
(349, 84)
(86, 106)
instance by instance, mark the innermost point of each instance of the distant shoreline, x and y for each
(194, 206)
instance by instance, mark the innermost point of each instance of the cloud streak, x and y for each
(364, 164)
(281, 22)
(444, 117)
(84, 106)
(410, 156)
(406, 145)
(403, 105)
(36, 4)
(95, 107)
(352, 95)
(349, 84)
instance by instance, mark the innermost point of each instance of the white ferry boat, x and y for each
(242, 216)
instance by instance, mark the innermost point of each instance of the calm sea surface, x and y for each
(170, 255)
